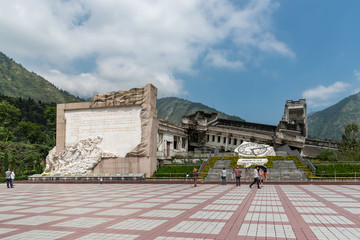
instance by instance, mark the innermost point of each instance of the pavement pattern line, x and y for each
(179, 211)
(300, 227)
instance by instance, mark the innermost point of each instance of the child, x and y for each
(196, 175)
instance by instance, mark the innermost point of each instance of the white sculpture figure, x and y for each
(79, 158)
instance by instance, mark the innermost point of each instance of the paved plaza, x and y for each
(179, 211)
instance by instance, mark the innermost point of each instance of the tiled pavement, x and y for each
(179, 211)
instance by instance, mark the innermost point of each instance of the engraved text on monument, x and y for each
(119, 127)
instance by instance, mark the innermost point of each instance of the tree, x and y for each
(9, 118)
(350, 146)
(327, 155)
(29, 163)
(13, 162)
(5, 161)
(31, 132)
(38, 166)
(50, 116)
(22, 167)
(349, 139)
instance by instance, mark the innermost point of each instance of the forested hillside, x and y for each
(330, 122)
(172, 109)
(27, 133)
(27, 121)
(16, 81)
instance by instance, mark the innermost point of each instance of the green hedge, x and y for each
(338, 170)
(175, 171)
(20, 178)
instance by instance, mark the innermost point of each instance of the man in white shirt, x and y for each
(8, 178)
(256, 177)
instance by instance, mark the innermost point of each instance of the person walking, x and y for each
(196, 175)
(8, 178)
(223, 177)
(233, 174)
(237, 172)
(261, 177)
(12, 176)
(256, 177)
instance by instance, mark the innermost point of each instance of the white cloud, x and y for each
(321, 95)
(220, 60)
(357, 74)
(131, 43)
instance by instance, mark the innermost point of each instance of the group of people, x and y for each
(258, 176)
(10, 176)
(236, 173)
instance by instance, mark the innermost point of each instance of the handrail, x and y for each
(304, 161)
(202, 164)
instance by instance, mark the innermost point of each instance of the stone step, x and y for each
(220, 164)
(215, 174)
(284, 164)
(282, 170)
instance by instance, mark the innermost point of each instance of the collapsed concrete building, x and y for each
(206, 132)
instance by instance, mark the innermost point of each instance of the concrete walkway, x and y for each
(179, 211)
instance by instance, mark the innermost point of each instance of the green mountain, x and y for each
(330, 122)
(172, 109)
(16, 81)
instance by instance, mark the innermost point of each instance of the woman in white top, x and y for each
(12, 176)
(223, 177)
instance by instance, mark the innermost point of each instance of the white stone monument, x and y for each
(114, 133)
(250, 149)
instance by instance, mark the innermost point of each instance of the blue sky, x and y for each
(241, 57)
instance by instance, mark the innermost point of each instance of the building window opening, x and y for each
(229, 142)
(235, 141)
(183, 143)
(168, 146)
(219, 138)
(213, 138)
(160, 139)
(176, 142)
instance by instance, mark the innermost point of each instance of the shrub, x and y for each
(338, 170)
(327, 155)
(175, 171)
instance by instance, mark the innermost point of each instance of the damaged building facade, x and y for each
(207, 132)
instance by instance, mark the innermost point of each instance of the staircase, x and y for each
(285, 170)
(282, 170)
(214, 173)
